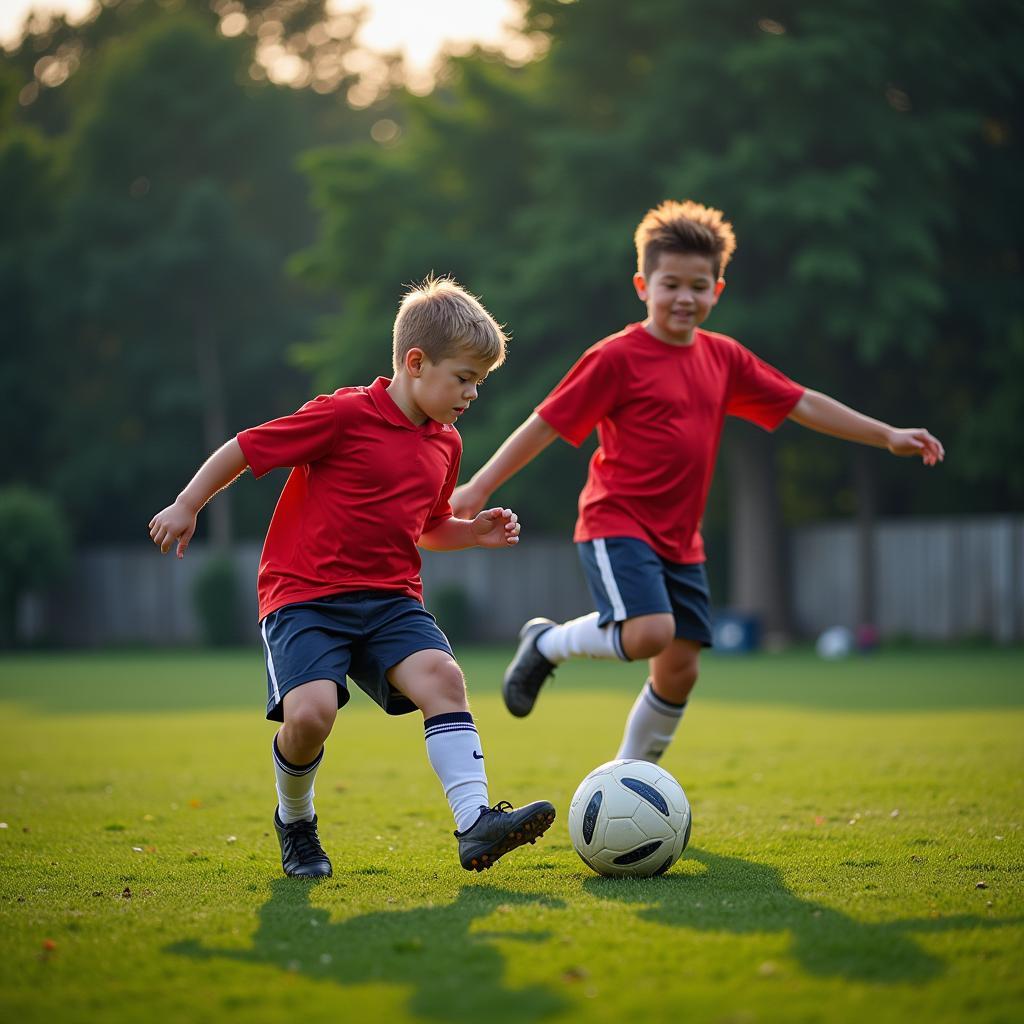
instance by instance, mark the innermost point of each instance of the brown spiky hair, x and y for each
(443, 319)
(685, 227)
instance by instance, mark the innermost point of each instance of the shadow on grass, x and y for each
(739, 897)
(454, 974)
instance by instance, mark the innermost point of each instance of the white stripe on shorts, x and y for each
(270, 663)
(608, 579)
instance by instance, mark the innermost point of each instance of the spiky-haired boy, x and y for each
(373, 470)
(657, 392)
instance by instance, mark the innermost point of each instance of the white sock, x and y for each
(454, 751)
(582, 637)
(295, 787)
(650, 727)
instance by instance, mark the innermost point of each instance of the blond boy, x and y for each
(340, 595)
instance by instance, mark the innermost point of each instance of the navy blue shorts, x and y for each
(362, 635)
(628, 578)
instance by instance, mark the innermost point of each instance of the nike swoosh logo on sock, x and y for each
(478, 757)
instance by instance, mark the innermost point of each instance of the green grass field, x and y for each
(856, 851)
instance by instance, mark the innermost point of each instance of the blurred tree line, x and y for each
(152, 200)
(188, 248)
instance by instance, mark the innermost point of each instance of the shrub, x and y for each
(217, 600)
(35, 549)
(454, 612)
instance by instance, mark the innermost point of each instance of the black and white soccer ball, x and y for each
(629, 818)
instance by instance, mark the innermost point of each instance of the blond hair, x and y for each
(440, 317)
(685, 227)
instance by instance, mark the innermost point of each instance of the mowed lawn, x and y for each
(856, 851)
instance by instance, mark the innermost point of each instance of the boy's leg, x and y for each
(309, 713)
(433, 681)
(633, 620)
(659, 709)
(307, 659)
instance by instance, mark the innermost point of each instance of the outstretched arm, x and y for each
(826, 415)
(177, 522)
(522, 446)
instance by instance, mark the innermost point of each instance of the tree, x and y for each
(166, 280)
(53, 51)
(28, 182)
(152, 202)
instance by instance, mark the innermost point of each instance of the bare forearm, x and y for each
(827, 416)
(493, 528)
(451, 535)
(521, 447)
(175, 525)
(824, 414)
(225, 465)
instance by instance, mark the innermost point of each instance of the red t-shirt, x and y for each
(659, 410)
(366, 483)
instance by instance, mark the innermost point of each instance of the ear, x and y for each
(414, 360)
(640, 284)
(719, 288)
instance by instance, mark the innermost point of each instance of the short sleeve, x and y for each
(442, 510)
(585, 396)
(758, 392)
(296, 440)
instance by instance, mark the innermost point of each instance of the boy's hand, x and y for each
(917, 441)
(466, 501)
(177, 522)
(496, 528)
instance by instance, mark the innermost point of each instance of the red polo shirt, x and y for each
(659, 410)
(366, 484)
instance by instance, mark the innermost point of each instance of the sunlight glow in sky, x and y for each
(416, 28)
(420, 29)
(13, 13)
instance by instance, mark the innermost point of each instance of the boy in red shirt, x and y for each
(373, 470)
(658, 393)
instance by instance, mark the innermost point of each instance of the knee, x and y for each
(647, 636)
(448, 683)
(310, 722)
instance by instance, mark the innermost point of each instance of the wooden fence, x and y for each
(936, 579)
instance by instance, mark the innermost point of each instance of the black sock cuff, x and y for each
(617, 641)
(296, 769)
(660, 703)
(454, 721)
(448, 719)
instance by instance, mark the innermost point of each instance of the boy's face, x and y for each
(442, 391)
(679, 295)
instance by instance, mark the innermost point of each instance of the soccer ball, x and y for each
(629, 818)
(835, 643)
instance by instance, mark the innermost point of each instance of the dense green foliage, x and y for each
(863, 153)
(868, 155)
(844, 816)
(151, 209)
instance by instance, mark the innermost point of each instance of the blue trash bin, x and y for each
(735, 632)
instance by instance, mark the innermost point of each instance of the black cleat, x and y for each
(502, 828)
(302, 856)
(527, 671)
